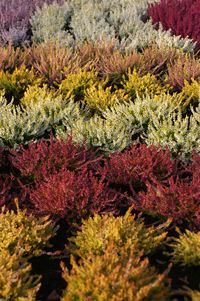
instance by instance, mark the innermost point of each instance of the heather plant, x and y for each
(27, 233)
(97, 133)
(16, 281)
(51, 62)
(41, 158)
(74, 85)
(114, 276)
(177, 198)
(97, 232)
(190, 94)
(134, 83)
(139, 164)
(119, 126)
(180, 134)
(98, 97)
(22, 125)
(10, 58)
(184, 68)
(114, 65)
(136, 115)
(72, 196)
(16, 83)
(186, 248)
(182, 17)
(50, 22)
(35, 94)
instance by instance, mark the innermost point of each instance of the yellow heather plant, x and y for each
(186, 248)
(16, 283)
(98, 98)
(75, 84)
(35, 94)
(97, 232)
(134, 84)
(190, 93)
(17, 82)
(27, 232)
(115, 277)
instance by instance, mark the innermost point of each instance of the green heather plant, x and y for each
(186, 248)
(23, 124)
(50, 22)
(16, 282)
(97, 232)
(97, 133)
(115, 277)
(27, 233)
(180, 134)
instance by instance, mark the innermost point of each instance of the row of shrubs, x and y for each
(70, 182)
(157, 120)
(73, 22)
(108, 257)
(51, 64)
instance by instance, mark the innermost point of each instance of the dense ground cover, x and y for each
(99, 150)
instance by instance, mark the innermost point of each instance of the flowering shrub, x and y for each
(16, 83)
(51, 62)
(72, 196)
(139, 164)
(186, 248)
(178, 198)
(114, 276)
(97, 232)
(24, 232)
(40, 159)
(16, 281)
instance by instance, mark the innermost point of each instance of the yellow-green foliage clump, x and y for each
(133, 83)
(114, 277)
(98, 98)
(17, 82)
(75, 84)
(16, 283)
(186, 248)
(97, 232)
(29, 233)
(190, 93)
(35, 94)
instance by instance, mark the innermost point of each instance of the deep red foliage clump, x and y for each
(140, 164)
(43, 158)
(72, 196)
(179, 199)
(181, 16)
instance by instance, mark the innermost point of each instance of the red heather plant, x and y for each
(14, 20)
(41, 159)
(179, 199)
(182, 17)
(51, 62)
(140, 164)
(10, 58)
(72, 196)
(183, 68)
